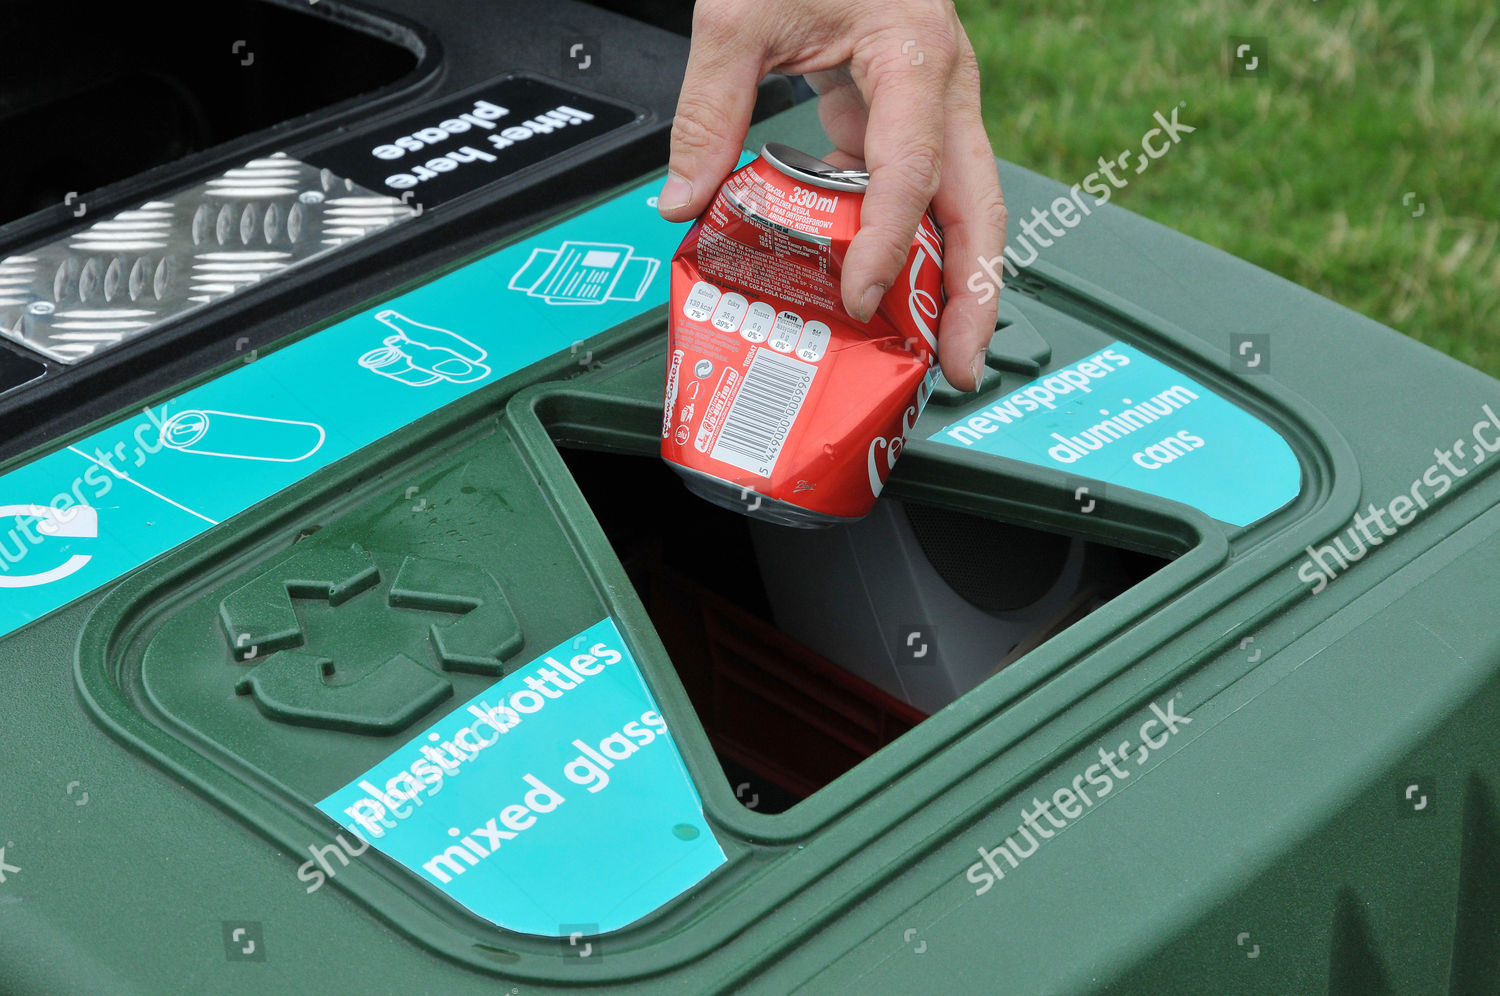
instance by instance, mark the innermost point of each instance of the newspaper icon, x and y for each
(585, 273)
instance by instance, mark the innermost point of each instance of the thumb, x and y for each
(713, 111)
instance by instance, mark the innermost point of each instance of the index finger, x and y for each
(903, 153)
(713, 111)
(971, 211)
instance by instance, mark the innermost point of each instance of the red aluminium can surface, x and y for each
(778, 403)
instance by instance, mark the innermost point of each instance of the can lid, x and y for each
(812, 169)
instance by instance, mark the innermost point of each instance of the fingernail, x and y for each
(675, 193)
(977, 369)
(869, 301)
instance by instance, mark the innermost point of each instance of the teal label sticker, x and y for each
(554, 798)
(1122, 417)
(85, 515)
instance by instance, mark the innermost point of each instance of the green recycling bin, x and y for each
(1165, 663)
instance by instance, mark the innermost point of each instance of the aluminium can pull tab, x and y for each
(812, 169)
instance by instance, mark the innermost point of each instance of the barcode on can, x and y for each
(763, 412)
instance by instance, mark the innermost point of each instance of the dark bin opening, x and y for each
(98, 94)
(783, 718)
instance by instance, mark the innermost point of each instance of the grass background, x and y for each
(1301, 171)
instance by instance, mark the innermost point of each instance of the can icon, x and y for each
(804, 409)
(241, 437)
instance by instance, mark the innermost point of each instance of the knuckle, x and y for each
(886, 247)
(945, 41)
(992, 212)
(715, 19)
(697, 125)
(915, 174)
(936, 30)
(918, 44)
(966, 70)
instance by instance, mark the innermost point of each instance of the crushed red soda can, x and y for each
(778, 403)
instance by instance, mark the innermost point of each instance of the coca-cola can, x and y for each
(778, 403)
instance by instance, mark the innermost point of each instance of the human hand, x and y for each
(898, 89)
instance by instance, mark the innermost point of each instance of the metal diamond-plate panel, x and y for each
(117, 279)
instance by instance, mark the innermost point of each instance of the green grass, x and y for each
(1302, 171)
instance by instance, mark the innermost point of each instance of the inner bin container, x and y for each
(806, 651)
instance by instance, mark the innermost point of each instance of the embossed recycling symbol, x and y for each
(344, 673)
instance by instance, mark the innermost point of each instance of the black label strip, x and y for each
(459, 144)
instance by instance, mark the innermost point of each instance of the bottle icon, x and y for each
(421, 355)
